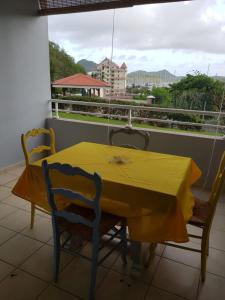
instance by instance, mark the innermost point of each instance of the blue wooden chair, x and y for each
(89, 223)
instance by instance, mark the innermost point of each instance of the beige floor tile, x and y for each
(42, 214)
(51, 242)
(40, 263)
(87, 250)
(220, 209)
(5, 234)
(212, 289)
(41, 231)
(146, 274)
(196, 231)
(119, 287)
(216, 262)
(11, 183)
(75, 278)
(17, 171)
(53, 293)
(6, 210)
(4, 192)
(6, 177)
(186, 257)
(160, 249)
(17, 249)
(218, 222)
(16, 202)
(16, 221)
(217, 239)
(21, 286)
(177, 278)
(5, 269)
(157, 294)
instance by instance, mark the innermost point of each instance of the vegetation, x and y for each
(199, 92)
(96, 119)
(162, 96)
(62, 64)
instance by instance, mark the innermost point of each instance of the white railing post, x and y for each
(56, 110)
(130, 118)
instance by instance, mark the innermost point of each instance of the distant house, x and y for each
(92, 86)
(113, 74)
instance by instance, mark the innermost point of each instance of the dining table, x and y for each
(151, 190)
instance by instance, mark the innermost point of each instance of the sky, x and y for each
(181, 37)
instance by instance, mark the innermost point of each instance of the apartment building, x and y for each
(113, 74)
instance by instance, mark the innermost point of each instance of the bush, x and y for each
(138, 113)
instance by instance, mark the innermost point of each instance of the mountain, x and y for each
(159, 77)
(88, 65)
(220, 78)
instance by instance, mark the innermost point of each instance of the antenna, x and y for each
(208, 70)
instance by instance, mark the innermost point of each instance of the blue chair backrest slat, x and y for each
(70, 170)
(74, 196)
(93, 204)
(73, 218)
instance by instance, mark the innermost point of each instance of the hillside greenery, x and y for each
(61, 63)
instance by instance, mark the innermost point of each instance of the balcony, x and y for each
(25, 254)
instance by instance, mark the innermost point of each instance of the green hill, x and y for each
(61, 63)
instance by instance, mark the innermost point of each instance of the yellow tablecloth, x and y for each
(151, 189)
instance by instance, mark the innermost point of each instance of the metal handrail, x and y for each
(139, 107)
(131, 108)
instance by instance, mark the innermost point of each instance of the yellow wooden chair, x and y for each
(203, 214)
(49, 149)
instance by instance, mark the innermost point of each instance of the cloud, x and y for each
(198, 26)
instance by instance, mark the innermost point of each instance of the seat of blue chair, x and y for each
(107, 222)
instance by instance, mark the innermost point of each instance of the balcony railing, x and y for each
(130, 114)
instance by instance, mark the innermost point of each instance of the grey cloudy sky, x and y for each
(180, 37)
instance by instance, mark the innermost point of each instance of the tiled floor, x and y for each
(26, 262)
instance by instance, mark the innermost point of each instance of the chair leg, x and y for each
(94, 266)
(56, 262)
(152, 248)
(123, 235)
(32, 215)
(204, 251)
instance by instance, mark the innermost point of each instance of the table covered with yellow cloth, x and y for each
(152, 190)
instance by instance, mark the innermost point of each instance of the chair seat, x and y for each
(108, 221)
(201, 212)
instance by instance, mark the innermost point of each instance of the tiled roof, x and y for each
(80, 80)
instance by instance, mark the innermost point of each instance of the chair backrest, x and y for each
(71, 195)
(217, 188)
(131, 132)
(39, 149)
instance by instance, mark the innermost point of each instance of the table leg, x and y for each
(142, 256)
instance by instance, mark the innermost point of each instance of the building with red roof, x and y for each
(82, 81)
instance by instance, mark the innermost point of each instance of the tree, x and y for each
(62, 64)
(162, 95)
(199, 92)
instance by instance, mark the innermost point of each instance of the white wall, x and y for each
(24, 74)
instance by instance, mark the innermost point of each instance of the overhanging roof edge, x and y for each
(99, 6)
